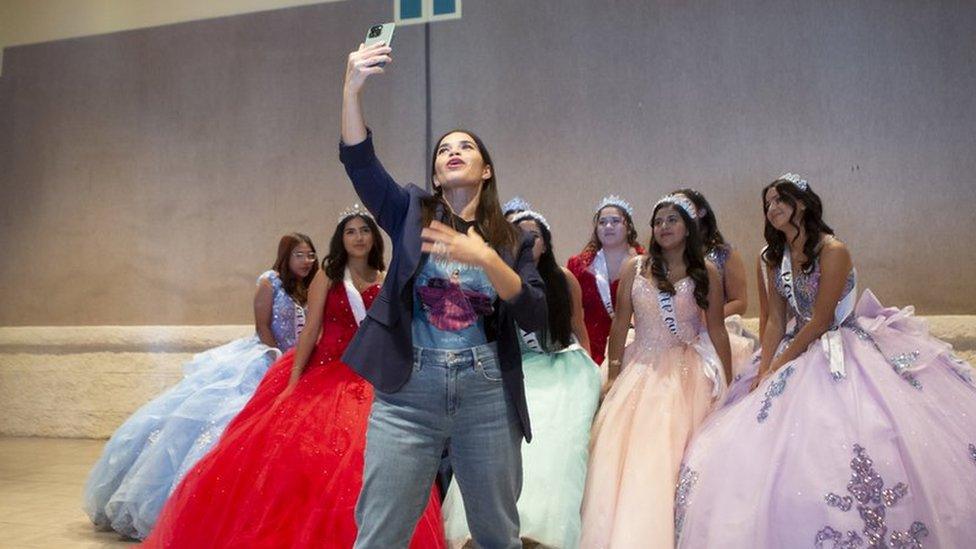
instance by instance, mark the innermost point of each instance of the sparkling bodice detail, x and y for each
(338, 323)
(284, 313)
(649, 327)
(805, 288)
(719, 255)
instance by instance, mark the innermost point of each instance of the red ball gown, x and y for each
(288, 469)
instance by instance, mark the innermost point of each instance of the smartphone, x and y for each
(380, 33)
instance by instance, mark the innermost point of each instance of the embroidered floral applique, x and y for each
(871, 499)
(687, 478)
(775, 389)
(901, 364)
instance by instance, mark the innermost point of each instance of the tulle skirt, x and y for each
(287, 472)
(562, 391)
(883, 456)
(150, 452)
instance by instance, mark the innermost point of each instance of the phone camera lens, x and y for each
(375, 31)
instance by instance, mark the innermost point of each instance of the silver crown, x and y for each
(533, 215)
(517, 203)
(796, 180)
(701, 211)
(681, 201)
(355, 209)
(614, 200)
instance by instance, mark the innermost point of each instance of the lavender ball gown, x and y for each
(865, 440)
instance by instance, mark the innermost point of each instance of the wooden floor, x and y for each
(41, 481)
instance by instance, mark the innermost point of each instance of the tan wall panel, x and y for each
(875, 102)
(145, 176)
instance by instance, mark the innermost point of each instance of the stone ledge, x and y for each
(82, 339)
(83, 382)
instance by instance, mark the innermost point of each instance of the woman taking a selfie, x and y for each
(440, 343)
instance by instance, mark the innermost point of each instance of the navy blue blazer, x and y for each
(382, 349)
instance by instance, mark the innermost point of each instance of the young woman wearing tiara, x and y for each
(151, 451)
(288, 469)
(861, 431)
(598, 268)
(440, 343)
(562, 387)
(672, 373)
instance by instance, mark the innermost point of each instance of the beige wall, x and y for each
(145, 176)
(875, 102)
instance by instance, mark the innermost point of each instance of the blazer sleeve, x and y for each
(529, 307)
(382, 196)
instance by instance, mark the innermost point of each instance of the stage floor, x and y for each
(41, 480)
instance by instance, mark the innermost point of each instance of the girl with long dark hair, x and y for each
(440, 343)
(720, 252)
(672, 373)
(860, 432)
(288, 469)
(562, 387)
(732, 271)
(598, 268)
(152, 450)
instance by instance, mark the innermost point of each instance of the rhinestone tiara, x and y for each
(681, 201)
(533, 215)
(355, 209)
(614, 200)
(517, 203)
(796, 180)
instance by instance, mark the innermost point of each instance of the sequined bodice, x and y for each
(284, 313)
(805, 287)
(338, 323)
(649, 327)
(719, 255)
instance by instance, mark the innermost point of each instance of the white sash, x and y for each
(762, 265)
(701, 343)
(355, 298)
(531, 341)
(786, 281)
(299, 319)
(602, 275)
(830, 342)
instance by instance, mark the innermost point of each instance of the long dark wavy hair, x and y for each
(295, 287)
(694, 257)
(594, 245)
(490, 222)
(812, 221)
(558, 296)
(335, 263)
(708, 224)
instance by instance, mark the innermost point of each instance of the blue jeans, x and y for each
(453, 398)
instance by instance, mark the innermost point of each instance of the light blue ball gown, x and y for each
(148, 455)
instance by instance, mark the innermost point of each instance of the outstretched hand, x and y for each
(447, 244)
(363, 62)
